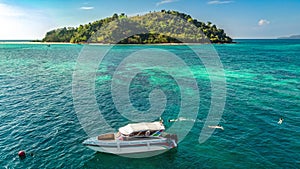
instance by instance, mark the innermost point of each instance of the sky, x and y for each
(31, 19)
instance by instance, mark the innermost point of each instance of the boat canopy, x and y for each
(137, 127)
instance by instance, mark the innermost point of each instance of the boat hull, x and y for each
(133, 149)
(137, 152)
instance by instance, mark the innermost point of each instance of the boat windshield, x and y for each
(118, 135)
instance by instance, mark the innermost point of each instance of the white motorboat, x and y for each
(137, 138)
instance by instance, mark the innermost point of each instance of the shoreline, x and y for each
(28, 42)
(107, 44)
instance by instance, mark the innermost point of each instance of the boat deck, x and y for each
(112, 137)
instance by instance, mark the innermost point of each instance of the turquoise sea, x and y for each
(263, 84)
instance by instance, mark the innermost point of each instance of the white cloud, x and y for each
(263, 22)
(165, 2)
(217, 2)
(21, 23)
(10, 11)
(87, 7)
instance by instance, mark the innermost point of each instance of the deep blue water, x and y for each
(263, 84)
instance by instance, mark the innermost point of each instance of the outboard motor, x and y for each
(172, 140)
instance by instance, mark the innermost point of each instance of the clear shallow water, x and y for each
(263, 84)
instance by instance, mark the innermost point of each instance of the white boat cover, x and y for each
(131, 128)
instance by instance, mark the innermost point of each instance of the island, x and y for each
(152, 28)
(291, 37)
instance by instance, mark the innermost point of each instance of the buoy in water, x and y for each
(22, 154)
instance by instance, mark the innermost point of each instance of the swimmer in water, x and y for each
(181, 119)
(217, 127)
(173, 120)
(280, 120)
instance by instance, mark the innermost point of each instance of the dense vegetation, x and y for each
(154, 27)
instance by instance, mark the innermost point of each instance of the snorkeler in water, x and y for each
(173, 120)
(217, 127)
(280, 120)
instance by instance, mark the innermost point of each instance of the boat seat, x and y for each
(110, 136)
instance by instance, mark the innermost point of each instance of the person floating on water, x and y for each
(181, 119)
(173, 120)
(280, 120)
(217, 127)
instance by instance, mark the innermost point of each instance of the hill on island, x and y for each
(153, 27)
(291, 37)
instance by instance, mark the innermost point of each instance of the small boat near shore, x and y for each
(134, 139)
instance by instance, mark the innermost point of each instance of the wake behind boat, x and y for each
(134, 138)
